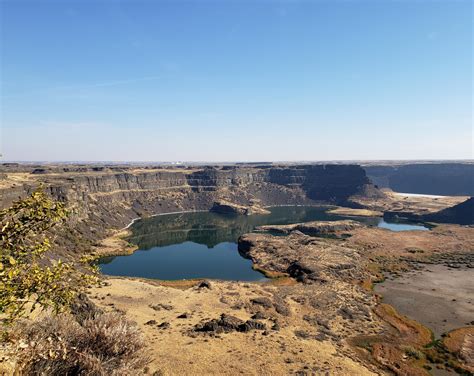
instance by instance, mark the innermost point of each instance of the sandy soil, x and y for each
(401, 194)
(439, 297)
(178, 350)
(16, 179)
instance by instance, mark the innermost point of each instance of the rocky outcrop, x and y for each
(228, 323)
(313, 228)
(461, 214)
(226, 207)
(306, 258)
(461, 343)
(255, 209)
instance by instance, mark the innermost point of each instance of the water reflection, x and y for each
(204, 244)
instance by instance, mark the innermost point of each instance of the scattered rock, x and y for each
(276, 326)
(347, 313)
(302, 334)
(259, 316)
(262, 301)
(323, 323)
(38, 171)
(227, 323)
(320, 337)
(252, 325)
(204, 285)
(282, 308)
(160, 306)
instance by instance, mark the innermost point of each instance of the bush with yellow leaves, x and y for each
(28, 280)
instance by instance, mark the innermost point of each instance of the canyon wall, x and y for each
(447, 179)
(107, 198)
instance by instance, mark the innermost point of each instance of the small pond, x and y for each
(401, 226)
(204, 244)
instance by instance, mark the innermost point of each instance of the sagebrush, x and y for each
(104, 345)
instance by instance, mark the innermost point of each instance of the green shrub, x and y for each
(413, 352)
(27, 278)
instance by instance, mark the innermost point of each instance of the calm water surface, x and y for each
(204, 244)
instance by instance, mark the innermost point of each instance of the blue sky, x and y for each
(236, 80)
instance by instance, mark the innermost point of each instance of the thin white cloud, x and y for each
(82, 87)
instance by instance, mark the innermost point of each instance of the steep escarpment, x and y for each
(328, 183)
(103, 198)
(334, 183)
(450, 179)
(462, 213)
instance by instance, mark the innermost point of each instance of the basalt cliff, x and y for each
(109, 197)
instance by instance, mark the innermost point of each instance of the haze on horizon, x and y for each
(236, 81)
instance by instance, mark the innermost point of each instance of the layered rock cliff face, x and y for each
(103, 199)
(450, 179)
(461, 214)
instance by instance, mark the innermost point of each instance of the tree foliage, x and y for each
(28, 279)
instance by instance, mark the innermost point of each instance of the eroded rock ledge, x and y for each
(313, 228)
(333, 275)
(227, 207)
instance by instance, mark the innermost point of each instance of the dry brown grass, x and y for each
(106, 344)
(461, 343)
(410, 331)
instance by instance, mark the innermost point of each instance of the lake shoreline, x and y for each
(181, 234)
